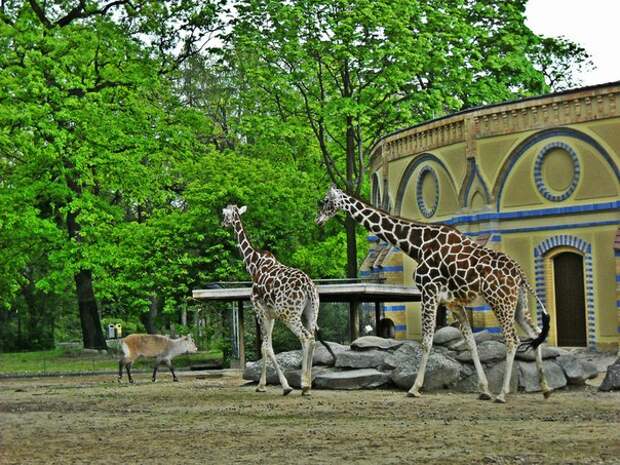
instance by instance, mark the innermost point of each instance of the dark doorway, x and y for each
(570, 312)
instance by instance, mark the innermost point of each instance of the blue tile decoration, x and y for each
(474, 173)
(427, 210)
(585, 248)
(538, 177)
(543, 135)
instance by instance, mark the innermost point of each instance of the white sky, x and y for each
(593, 24)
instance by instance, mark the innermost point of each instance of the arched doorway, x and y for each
(570, 305)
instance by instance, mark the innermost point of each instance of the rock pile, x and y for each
(612, 378)
(372, 362)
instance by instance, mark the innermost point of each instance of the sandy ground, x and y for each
(93, 420)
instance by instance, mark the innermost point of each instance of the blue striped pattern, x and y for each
(481, 308)
(586, 249)
(496, 216)
(394, 308)
(391, 268)
(550, 227)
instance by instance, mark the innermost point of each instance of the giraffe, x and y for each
(280, 293)
(453, 270)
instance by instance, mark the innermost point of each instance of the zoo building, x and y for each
(536, 178)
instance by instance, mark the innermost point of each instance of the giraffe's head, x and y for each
(231, 213)
(329, 206)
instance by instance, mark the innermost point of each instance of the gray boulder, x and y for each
(293, 376)
(458, 345)
(323, 357)
(366, 378)
(374, 342)
(546, 352)
(495, 377)
(408, 351)
(366, 359)
(576, 371)
(446, 334)
(612, 378)
(443, 350)
(286, 360)
(487, 351)
(528, 375)
(441, 372)
(485, 335)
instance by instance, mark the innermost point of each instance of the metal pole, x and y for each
(354, 320)
(377, 317)
(241, 343)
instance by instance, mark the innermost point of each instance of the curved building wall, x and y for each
(531, 178)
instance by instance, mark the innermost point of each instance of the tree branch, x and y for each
(40, 13)
(79, 11)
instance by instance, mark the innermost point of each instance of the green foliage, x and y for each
(120, 143)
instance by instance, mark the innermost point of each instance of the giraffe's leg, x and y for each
(266, 326)
(310, 356)
(307, 346)
(483, 384)
(505, 315)
(429, 311)
(532, 330)
(286, 389)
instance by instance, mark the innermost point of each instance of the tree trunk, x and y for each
(148, 319)
(350, 227)
(92, 333)
(350, 224)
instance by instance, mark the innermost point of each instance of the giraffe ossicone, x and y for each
(453, 270)
(280, 293)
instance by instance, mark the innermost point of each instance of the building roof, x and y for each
(466, 111)
(328, 292)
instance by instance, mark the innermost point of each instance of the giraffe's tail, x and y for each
(544, 332)
(325, 344)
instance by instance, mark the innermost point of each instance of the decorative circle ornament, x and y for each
(543, 180)
(428, 206)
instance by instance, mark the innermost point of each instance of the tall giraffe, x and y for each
(453, 270)
(278, 293)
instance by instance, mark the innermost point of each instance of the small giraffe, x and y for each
(453, 270)
(278, 293)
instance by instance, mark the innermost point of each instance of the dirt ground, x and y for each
(93, 420)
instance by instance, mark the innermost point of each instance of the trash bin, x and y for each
(119, 330)
(111, 331)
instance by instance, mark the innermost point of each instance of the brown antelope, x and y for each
(150, 345)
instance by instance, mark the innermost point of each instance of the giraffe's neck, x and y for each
(407, 235)
(249, 255)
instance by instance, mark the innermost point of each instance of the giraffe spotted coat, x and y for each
(454, 271)
(282, 293)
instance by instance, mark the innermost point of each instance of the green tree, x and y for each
(87, 120)
(353, 70)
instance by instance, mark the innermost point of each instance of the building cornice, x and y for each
(540, 112)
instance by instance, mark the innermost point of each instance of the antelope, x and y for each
(150, 345)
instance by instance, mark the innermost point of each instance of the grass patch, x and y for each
(75, 361)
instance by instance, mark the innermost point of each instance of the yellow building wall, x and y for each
(485, 163)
